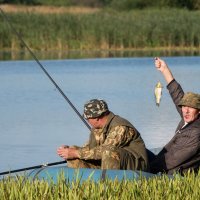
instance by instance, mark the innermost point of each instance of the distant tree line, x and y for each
(115, 4)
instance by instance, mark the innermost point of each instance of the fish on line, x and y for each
(158, 92)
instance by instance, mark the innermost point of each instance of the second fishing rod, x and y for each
(44, 70)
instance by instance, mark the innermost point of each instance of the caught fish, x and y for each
(158, 92)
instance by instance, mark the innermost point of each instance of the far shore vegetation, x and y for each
(71, 28)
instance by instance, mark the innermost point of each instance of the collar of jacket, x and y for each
(111, 116)
(181, 126)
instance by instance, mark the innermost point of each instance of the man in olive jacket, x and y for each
(183, 151)
(114, 142)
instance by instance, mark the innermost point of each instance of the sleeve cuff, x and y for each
(171, 84)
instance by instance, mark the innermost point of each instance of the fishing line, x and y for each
(158, 89)
(44, 70)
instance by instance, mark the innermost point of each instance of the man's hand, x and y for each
(160, 64)
(67, 153)
(164, 69)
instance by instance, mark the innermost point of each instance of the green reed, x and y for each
(104, 30)
(160, 187)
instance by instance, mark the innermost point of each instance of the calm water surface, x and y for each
(35, 119)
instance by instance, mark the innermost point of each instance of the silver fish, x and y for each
(158, 92)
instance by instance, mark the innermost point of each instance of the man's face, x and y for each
(189, 113)
(94, 123)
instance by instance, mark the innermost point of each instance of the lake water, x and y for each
(35, 119)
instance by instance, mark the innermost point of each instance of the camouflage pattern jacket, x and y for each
(118, 132)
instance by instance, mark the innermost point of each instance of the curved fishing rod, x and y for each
(33, 167)
(44, 70)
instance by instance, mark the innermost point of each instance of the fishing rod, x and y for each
(44, 70)
(33, 167)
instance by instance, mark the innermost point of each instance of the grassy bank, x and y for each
(155, 188)
(103, 30)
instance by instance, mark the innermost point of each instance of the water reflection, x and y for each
(45, 55)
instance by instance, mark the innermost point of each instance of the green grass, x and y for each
(160, 187)
(105, 30)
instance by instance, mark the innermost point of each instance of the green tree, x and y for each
(130, 4)
(27, 2)
(189, 4)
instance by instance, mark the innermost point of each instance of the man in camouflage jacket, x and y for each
(114, 142)
(183, 151)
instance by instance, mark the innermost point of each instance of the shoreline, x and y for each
(88, 54)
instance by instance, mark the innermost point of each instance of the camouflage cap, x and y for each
(95, 108)
(191, 100)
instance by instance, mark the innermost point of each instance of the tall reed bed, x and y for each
(107, 30)
(160, 187)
